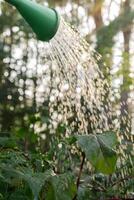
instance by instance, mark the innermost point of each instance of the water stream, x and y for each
(79, 95)
(78, 87)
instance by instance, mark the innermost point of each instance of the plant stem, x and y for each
(80, 172)
(121, 180)
(81, 168)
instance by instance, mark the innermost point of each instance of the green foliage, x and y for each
(7, 142)
(33, 175)
(105, 35)
(34, 180)
(18, 168)
(99, 151)
(61, 187)
(20, 172)
(84, 193)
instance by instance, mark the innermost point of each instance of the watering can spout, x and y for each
(44, 21)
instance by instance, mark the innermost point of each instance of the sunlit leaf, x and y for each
(99, 151)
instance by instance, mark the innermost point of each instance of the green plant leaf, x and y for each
(109, 138)
(99, 151)
(83, 193)
(7, 142)
(61, 187)
(35, 180)
(19, 194)
(71, 140)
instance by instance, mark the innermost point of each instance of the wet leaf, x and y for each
(99, 151)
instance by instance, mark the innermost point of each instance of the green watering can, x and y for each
(44, 21)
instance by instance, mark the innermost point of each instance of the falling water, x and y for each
(79, 95)
(78, 87)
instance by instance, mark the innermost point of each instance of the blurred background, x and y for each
(24, 95)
